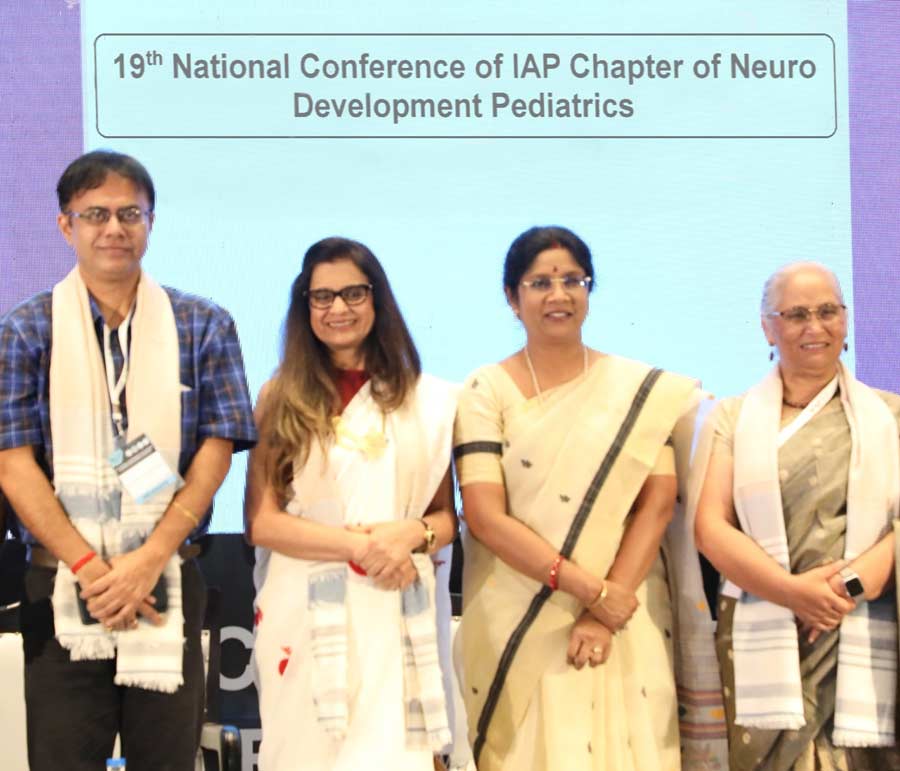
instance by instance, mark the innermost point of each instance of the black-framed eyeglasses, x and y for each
(543, 284)
(100, 215)
(351, 295)
(800, 315)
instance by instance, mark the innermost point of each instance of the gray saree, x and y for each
(813, 470)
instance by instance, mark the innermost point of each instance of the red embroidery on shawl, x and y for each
(282, 665)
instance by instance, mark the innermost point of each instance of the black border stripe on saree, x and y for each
(470, 448)
(568, 547)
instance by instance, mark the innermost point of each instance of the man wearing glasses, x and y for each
(121, 403)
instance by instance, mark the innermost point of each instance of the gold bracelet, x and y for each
(430, 539)
(186, 512)
(601, 595)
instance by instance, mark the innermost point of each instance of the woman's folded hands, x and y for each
(385, 553)
(818, 599)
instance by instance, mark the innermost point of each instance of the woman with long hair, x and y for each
(348, 495)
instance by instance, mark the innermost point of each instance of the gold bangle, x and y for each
(430, 539)
(601, 595)
(186, 512)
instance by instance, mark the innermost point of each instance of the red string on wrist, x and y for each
(83, 561)
(553, 582)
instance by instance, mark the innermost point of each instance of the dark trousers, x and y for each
(74, 710)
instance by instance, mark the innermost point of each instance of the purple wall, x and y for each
(40, 132)
(874, 43)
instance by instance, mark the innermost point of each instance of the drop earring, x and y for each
(772, 354)
(846, 346)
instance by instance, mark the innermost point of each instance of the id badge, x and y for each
(142, 470)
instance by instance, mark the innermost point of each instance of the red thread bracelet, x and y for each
(554, 572)
(83, 561)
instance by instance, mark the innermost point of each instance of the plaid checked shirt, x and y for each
(216, 402)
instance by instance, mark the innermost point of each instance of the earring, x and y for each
(772, 355)
(846, 346)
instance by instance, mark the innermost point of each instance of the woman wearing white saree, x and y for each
(348, 495)
(796, 510)
(568, 483)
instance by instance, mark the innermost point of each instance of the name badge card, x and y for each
(142, 470)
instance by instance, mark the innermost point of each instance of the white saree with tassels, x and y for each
(348, 674)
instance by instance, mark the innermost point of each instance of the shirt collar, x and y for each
(96, 314)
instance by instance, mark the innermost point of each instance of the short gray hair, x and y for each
(775, 283)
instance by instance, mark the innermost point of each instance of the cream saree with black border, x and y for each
(573, 462)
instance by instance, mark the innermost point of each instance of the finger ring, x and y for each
(597, 649)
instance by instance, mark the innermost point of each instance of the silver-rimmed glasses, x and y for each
(544, 284)
(99, 215)
(800, 315)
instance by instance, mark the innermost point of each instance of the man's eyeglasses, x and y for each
(351, 295)
(543, 284)
(800, 315)
(98, 215)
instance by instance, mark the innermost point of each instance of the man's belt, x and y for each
(42, 558)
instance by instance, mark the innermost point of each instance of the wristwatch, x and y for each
(852, 583)
(430, 538)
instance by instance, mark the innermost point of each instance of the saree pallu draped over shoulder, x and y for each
(573, 464)
(815, 469)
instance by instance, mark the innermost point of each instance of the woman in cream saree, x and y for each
(567, 485)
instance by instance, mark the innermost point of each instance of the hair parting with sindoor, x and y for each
(528, 245)
(302, 399)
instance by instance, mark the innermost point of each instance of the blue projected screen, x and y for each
(694, 146)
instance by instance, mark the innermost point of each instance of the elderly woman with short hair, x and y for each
(796, 509)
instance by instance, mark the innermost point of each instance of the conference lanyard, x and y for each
(114, 386)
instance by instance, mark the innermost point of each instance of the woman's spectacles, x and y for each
(351, 295)
(543, 284)
(800, 315)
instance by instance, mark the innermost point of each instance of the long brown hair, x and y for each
(302, 397)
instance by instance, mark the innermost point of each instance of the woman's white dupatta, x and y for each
(766, 653)
(380, 468)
